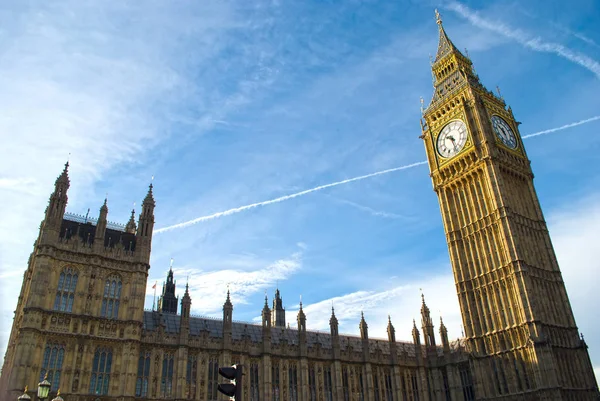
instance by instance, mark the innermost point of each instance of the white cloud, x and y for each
(575, 231)
(525, 39)
(401, 302)
(208, 288)
(83, 80)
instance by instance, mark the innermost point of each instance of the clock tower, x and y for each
(518, 321)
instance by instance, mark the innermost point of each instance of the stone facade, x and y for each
(81, 320)
(80, 316)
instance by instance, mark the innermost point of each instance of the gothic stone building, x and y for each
(80, 316)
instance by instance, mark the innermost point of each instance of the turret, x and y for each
(444, 335)
(57, 205)
(333, 324)
(364, 329)
(427, 324)
(278, 316)
(145, 227)
(416, 334)
(301, 320)
(167, 303)
(302, 331)
(266, 317)
(131, 228)
(227, 313)
(101, 225)
(186, 305)
(391, 331)
(392, 341)
(335, 335)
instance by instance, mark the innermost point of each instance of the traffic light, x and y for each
(233, 388)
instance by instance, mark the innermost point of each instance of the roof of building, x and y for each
(240, 330)
(85, 228)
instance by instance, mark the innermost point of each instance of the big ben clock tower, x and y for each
(518, 321)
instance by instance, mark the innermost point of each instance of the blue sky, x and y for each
(233, 103)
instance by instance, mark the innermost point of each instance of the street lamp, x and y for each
(58, 397)
(43, 388)
(25, 396)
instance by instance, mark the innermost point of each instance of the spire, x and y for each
(416, 334)
(101, 225)
(301, 318)
(131, 227)
(149, 199)
(391, 331)
(278, 316)
(104, 207)
(444, 335)
(57, 204)
(63, 178)
(228, 300)
(145, 228)
(427, 323)
(227, 311)
(266, 314)
(333, 323)
(168, 301)
(364, 328)
(186, 302)
(451, 69)
(445, 45)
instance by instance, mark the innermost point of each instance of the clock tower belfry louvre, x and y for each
(518, 321)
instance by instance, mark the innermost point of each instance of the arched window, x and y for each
(111, 297)
(52, 364)
(141, 385)
(166, 384)
(65, 292)
(101, 371)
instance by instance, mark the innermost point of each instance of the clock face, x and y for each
(504, 132)
(452, 139)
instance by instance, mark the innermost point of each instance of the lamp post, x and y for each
(58, 397)
(25, 396)
(43, 388)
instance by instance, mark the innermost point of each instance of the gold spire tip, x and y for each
(438, 17)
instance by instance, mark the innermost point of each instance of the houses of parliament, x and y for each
(80, 318)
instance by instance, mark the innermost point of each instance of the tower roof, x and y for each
(445, 45)
(63, 178)
(149, 199)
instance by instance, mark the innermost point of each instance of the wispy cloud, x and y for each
(208, 288)
(402, 302)
(525, 39)
(371, 211)
(334, 184)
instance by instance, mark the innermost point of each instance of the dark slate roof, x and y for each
(86, 231)
(241, 330)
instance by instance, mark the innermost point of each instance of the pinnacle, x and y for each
(64, 175)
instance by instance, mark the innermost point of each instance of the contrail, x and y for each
(335, 184)
(283, 198)
(526, 40)
(588, 120)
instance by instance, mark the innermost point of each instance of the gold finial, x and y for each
(26, 386)
(58, 392)
(438, 17)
